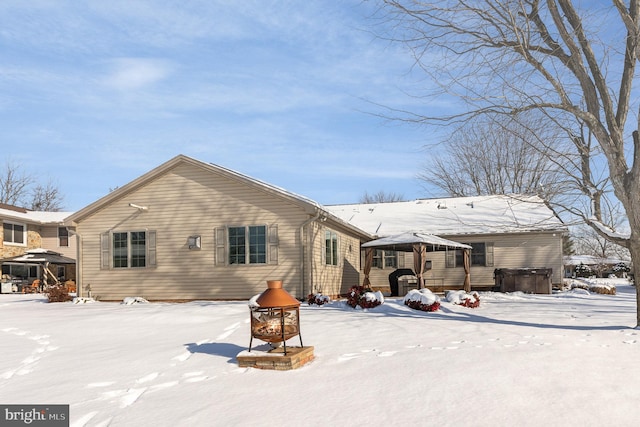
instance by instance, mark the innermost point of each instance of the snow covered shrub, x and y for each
(58, 293)
(464, 299)
(318, 299)
(83, 300)
(621, 270)
(364, 297)
(579, 285)
(583, 270)
(595, 287)
(134, 300)
(422, 299)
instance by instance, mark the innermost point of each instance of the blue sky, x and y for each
(94, 94)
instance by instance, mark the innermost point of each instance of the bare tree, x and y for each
(20, 189)
(589, 242)
(573, 63)
(498, 155)
(46, 198)
(14, 184)
(381, 197)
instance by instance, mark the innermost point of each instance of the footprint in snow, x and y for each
(84, 419)
(629, 342)
(348, 356)
(182, 357)
(234, 326)
(192, 374)
(131, 396)
(224, 335)
(196, 379)
(413, 346)
(100, 384)
(162, 386)
(152, 376)
(228, 331)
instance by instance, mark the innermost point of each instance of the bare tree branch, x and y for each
(555, 57)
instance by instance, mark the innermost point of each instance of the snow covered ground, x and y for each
(567, 359)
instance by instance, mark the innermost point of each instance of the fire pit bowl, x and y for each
(275, 316)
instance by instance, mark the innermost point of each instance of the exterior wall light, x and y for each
(194, 242)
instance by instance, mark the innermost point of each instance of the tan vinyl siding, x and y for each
(524, 250)
(190, 201)
(335, 280)
(50, 241)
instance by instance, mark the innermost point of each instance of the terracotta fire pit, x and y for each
(276, 316)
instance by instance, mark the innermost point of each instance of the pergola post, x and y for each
(466, 256)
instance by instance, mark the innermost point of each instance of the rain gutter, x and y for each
(310, 220)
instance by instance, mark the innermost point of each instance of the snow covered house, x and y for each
(505, 232)
(192, 230)
(596, 266)
(26, 230)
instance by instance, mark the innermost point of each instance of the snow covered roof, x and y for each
(591, 260)
(34, 217)
(453, 216)
(405, 241)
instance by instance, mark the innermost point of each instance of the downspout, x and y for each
(302, 269)
(79, 288)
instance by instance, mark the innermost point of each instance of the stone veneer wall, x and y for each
(34, 240)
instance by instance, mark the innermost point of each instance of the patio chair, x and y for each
(34, 287)
(70, 285)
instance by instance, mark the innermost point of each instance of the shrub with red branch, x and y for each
(467, 302)
(422, 299)
(318, 299)
(417, 305)
(363, 297)
(464, 299)
(58, 293)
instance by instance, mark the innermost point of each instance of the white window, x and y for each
(14, 233)
(63, 237)
(385, 259)
(248, 245)
(331, 247)
(128, 249)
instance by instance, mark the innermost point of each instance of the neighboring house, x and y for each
(24, 230)
(506, 232)
(597, 266)
(192, 230)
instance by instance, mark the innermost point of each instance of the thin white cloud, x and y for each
(135, 73)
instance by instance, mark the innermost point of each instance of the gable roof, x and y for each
(310, 206)
(494, 214)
